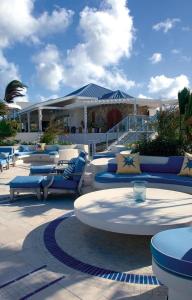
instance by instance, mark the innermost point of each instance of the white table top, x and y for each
(115, 210)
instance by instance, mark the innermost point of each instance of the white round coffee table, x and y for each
(115, 210)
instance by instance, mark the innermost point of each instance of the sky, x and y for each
(142, 47)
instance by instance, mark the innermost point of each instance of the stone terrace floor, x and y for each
(28, 270)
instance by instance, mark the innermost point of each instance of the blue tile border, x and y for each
(52, 246)
(21, 277)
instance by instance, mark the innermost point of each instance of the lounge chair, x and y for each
(59, 183)
(62, 164)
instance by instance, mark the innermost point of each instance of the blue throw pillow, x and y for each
(69, 170)
(79, 167)
(24, 148)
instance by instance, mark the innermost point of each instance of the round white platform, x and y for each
(115, 210)
(100, 164)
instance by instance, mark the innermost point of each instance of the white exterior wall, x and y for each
(75, 117)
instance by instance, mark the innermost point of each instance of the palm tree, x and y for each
(14, 89)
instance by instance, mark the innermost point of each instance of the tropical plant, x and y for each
(167, 123)
(3, 109)
(183, 98)
(8, 128)
(14, 89)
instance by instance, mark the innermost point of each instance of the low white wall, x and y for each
(76, 138)
(28, 136)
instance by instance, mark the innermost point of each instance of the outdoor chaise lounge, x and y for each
(172, 261)
(70, 181)
(48, 169)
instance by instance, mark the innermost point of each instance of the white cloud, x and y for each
(156, 58)
(50, 71)
(8, 72)
(176, 51)
(166, 25)
(167, 87)
(108, 35)
(18, 23)
(142, 96)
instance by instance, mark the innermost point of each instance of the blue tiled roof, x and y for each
(90, 90)
(115, 95)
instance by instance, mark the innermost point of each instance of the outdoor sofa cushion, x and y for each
(26, 182)
(166, 178)
(172, 251)
(173, 165)
(128, 163)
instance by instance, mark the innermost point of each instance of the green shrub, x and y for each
(159, 147)
(8, 128)
(48, 137)
(65, 143)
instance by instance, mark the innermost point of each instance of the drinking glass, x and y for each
(139, 191)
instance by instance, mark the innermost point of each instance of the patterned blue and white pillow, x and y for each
(69, 170)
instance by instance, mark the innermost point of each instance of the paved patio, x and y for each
(42, 257)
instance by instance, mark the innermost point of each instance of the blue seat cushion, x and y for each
(167, 178)
(172, 250)
(8, 149)
(26, 182)
(61, 183)
(46, 169)
(173, 165)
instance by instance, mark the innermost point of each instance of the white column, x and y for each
(85, 119)
(28, 121)
(40, 119)
(135, 108)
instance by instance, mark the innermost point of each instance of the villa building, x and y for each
(91, 110)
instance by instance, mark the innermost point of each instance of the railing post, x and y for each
(118, 131)
(107, 141)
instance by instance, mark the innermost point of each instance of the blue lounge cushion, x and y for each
(167, 178)
(8, 149)
(45, 169)
(172, 251)
(26, 182)
(60, 183)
